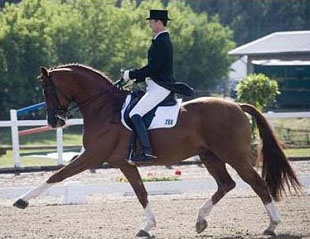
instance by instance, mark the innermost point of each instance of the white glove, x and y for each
(126, 76)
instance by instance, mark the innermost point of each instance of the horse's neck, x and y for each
(101, 101)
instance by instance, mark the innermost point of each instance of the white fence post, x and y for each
(270, 117)
(15, 138)
(14, 123)
(60, 146)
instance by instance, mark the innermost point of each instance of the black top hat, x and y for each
(158, 15)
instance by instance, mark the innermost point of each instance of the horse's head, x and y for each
(56, 102)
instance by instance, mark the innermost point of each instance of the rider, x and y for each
(158, 76)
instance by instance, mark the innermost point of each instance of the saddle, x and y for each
(164, 115)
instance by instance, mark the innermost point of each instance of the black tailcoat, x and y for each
(160, 66)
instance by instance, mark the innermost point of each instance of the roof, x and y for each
(275, 43)
(276, 62)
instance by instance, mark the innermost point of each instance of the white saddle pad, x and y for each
(165, 116)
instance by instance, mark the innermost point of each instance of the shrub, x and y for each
(258, 90)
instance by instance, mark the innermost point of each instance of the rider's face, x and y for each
(155, 25)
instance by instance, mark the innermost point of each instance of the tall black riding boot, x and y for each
(146, 155)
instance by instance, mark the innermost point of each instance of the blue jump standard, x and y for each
(31, 108)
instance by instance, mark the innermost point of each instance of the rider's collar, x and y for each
(159, 34)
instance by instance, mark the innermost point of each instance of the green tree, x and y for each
(258, 90)
(212, 41)
(201, 44)
(24, 48)
(253, 19)
(105, 34)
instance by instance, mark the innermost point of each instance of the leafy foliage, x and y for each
(105, 34)
(258, 90)
(253, 19)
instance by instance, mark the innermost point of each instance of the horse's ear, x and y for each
(44, 71)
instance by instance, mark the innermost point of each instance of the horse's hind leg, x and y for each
(78, 165)
(251, 177)
(225, 183)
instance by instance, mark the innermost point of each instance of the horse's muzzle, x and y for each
(54, 121)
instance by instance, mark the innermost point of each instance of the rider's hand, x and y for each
(127, 79)
(126, 76)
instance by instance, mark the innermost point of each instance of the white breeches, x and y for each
(153, 96)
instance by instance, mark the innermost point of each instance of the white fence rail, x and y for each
(14, 123)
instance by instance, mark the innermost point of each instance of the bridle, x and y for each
(50, 91)
(64, 112)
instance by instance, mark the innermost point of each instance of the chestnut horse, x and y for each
(217, 130)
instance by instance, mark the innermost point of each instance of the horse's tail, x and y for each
(276, 169)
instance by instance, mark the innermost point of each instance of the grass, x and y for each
(293, 131)
(294, 124)
(71, 136)
(300, 152)
(7, 161)
(28, 158)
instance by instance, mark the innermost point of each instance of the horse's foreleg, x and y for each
(225, 183)
(23, 201)
(76, 166)
(134, 178)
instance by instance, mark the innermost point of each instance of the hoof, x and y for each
(201, 226)
(145, 235)
(270, 233)
(20, 203)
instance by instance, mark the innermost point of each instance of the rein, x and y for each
(65, 112)
(84, 104)
(118, 84)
